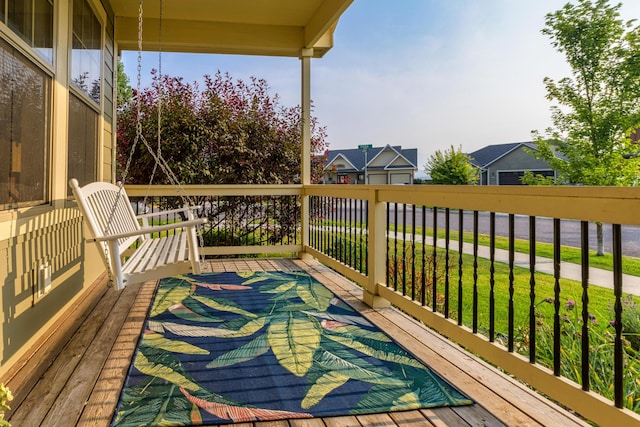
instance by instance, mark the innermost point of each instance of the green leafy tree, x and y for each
(596, 108)
(230, 132)
(124, 91)
(451, 167)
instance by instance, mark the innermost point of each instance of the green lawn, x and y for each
(600, 299)
(630, 265)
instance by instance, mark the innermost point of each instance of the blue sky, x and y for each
(426, 75)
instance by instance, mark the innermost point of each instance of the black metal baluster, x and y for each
(334, 231)
(395, 247)
(233, 225)
(492, 276)
(618, 354)
(424, 256)
(218, 222)
(341, 235)
(316, 220)
(460, 252)
(532, 289)
(366, 238)
(584, 243)
(327, 225)
(556, 299)
(388, 243)
(352, 247)
(360, 237)
(280, 202)
(434, 273)
(269, 211)
(325, 218)
(447, 235)
(413, 252)
(278, 210)
(512, 251)
(298, 216)
(475, 272)
(404, 249)
(312, 220)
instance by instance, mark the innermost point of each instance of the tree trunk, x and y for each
(600, 239)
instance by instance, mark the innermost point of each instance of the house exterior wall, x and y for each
(48, 238)
(517, 160)
(383, 159)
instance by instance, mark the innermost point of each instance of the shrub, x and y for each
(5, 398)
(601, 350)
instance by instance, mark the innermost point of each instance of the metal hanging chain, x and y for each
(125, 173)
(139, 137)
(160, 100)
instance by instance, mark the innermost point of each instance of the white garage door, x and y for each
(400, 178)
(377, 179)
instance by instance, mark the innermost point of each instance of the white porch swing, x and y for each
(114, 226)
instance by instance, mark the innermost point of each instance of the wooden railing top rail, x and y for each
(215, 190)
(615, 205)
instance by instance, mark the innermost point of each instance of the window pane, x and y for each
(43, 30)
(83, 141)
(20, 18)
(6, 67)
(24, 130)
(32, 20)
(86, 50)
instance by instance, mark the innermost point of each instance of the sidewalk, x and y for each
(597, 276)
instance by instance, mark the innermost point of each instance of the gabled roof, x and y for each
(488, 155)
(356, 157)
(339, 157)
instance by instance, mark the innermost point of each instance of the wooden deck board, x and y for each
(47, 391)
(100, 406)
(22, 378)
(87, 390)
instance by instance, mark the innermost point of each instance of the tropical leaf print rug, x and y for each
(235, 347)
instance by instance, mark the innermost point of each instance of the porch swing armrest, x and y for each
(150, 230)
(168, 212)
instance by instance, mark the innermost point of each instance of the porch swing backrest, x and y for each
(114, 226)
(108, 212)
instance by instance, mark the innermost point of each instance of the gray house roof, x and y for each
(357, 157)
(484, 157)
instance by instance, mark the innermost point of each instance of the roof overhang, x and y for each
(246, 27)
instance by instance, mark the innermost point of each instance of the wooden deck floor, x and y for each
(76, 376)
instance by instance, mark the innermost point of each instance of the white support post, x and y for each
(305, 152)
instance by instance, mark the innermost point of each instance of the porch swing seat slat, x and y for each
(115, 228)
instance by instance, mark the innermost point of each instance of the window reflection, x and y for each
(83, 136)
(86, 50)
(32, 20)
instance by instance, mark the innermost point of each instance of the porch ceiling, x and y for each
(247, 27)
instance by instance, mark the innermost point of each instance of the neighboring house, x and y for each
(505, 164)
(378, 165)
